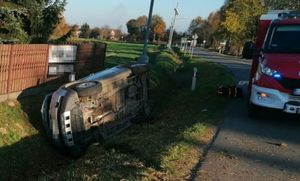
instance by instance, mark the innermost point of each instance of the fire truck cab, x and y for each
(275, 72)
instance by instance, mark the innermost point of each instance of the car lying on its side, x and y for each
(97, 106)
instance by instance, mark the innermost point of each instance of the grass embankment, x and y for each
(24, 151)
(167, 147)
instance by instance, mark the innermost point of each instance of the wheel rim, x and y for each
(86, 85)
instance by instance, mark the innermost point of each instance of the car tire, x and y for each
(85, 89)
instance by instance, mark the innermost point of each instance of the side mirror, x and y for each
(248, 50)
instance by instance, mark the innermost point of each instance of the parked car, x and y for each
(96, 107)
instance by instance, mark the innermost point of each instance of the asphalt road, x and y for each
(267, 148)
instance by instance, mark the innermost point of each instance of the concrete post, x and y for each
(144, 57)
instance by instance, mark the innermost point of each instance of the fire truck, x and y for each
(275, 72)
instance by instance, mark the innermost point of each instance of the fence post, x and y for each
(9, 69)
(47, 63)
(104, 55)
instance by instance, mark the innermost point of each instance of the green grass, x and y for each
(13, 127)
(167, 147)
(124, 53)
(24, 152)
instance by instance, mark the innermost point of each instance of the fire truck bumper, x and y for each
(269, 98)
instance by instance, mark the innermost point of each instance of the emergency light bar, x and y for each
(280, 14)
(293, 14)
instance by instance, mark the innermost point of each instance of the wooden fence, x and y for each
(22, 66)
(25, 66)
(88, 56)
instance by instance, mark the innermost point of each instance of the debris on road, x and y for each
(231, 91)
(282, 144)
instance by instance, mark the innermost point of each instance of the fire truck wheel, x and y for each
(87, 88)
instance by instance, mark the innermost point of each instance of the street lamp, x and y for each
(144, 57)
(172, 28)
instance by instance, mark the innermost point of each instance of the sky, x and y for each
(116, 13)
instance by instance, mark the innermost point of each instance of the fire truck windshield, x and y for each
(283, 39)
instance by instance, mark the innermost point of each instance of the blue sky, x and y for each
(116, 13)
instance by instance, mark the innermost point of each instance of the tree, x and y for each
(41, 17)
(141, 22)
(105, 32)
(118, 34)
(95, 33)
(214, 20)
(200, 27)
(11, 24)
(44, 16)
(137, 27)
(195, 24)
(85, 31)
(158, 27)
(75, 31)
(282, 4)
(132, 29)
(176, 36)
(62, 28)
(241, 19)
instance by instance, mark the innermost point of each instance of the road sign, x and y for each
(183, 40)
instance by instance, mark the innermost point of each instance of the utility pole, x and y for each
(144, 57)
(172, 28)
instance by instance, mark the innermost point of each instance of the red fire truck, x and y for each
(275, 72)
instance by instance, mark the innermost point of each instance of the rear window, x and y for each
(283, 39)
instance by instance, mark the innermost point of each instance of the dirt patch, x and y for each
(207, 137)
(3, 131)
(12, 103)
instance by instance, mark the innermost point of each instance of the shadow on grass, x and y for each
(30, 157)
(150, 144)
(31, 100)
(33, 155)
(179, 117)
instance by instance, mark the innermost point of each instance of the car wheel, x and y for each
(87, 88)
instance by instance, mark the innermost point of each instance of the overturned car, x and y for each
(97, 106)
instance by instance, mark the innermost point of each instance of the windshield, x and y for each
(283, 39)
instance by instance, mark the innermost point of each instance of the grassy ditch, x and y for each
(169, 146)
(24, 151)
(165, 148)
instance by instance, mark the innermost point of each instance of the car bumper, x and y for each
(56, 120)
